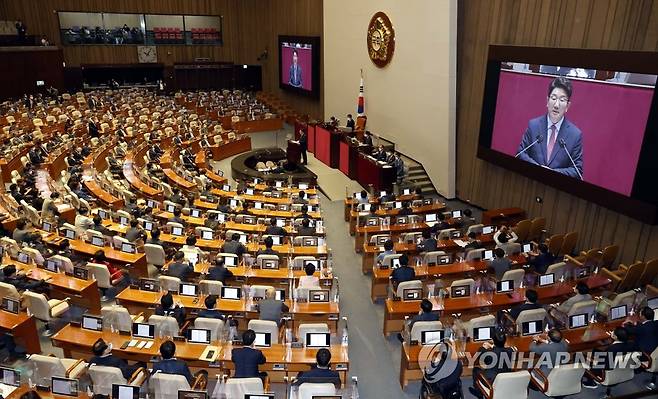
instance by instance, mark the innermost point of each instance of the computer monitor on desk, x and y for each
(578, 320)
(483, 333)
(317, 340)
(10, 376)
(142, 330)
(125, 391)
(233, 293)
(64, 386)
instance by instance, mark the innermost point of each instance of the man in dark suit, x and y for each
(247, 359)
(321, 372)
(404, 272)
(179, 268)
(621, 345)
(487, 367)
(555, 138)
(269, 242)
(645, 333)
(218, 272)
(169, 364)
(295, 72)
(555, 348)
(92, 129)
(275, 230)
(530, 304)
(103, 357)
(500, 264)
(428, 244)
(350, 124)
(542, 260)
(168, 308)
(367, 138)
(232, 245)
(210, 312)
(303, 146)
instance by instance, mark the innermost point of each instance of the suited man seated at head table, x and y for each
(247, 359)
(210, 311)
(103, 357)
(551, 140)
(167, 307)
(218, 272)
(321, 372)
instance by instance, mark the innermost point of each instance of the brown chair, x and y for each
(555, 243)
(609, 257)
(649, 274)
(522, 229)
(626, 278)
(537, 229)
(569, 243)
(591, 258)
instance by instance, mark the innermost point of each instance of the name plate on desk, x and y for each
(278, 367)
(333, 317)
(238, 315)
(341, 367)
(297, 345)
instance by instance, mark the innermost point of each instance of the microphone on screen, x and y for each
(563, 144)
(538, 140)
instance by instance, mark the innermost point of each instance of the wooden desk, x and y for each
(350, 202)
(447, 246)
(137, 262)
(393, 229)
(83, 293)
(395, 311)
(178, 180)
(261, 125)
(580, 339)
(503, 216)
(229, 148)
(131, 160)
(448, 273)
(417, 210)
(95, 163)
(77, 343)
(258, 197)
(301, 312)
(23, 328)
(23, 389)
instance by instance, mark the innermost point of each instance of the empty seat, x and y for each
(45, 367)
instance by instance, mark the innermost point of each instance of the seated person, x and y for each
(542, 259)
(388, 250)
(487, 367)
(441, 224)
(103, 357)
(472, 242)
(428, 244)
(621, 345)
(22, 234)
(155, 239)
(179, 267)
(309, 281)
(405, 210)
(301, 198)
(506, 232)
(500, 264)
(504, 244)
(135, 232)
(552, 344)
(168, 308)
(582, 294)
(21, 281)
(467, 220)
(116, 273)
(98, 226)
(190, 246)
(425, 313)
(218, 272)
(275, 230)
(232, 245)
(305, 229)
(247, 359)
(530, 304)
(210, 311)
(403, 273)
(270, 308)
(268, 248)
(645, 332)
(321, 372)
(177, 218)
(362, 198)
(169, 364)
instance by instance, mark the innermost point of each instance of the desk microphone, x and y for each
(539, 139)
(563, 144)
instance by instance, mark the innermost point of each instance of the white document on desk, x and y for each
(461, 243)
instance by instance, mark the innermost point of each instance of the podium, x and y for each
(293, 152)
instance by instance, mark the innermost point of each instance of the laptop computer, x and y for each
(64, 386)
(317, 340)
(10, 376)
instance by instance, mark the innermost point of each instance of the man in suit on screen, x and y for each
(551, 140)
(295, 71)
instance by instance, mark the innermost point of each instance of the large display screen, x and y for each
(299, 64)
(582, 127)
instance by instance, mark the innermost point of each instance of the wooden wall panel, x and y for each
(598, 24)
(250, 26)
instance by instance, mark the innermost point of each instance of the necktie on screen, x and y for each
(551, 141)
